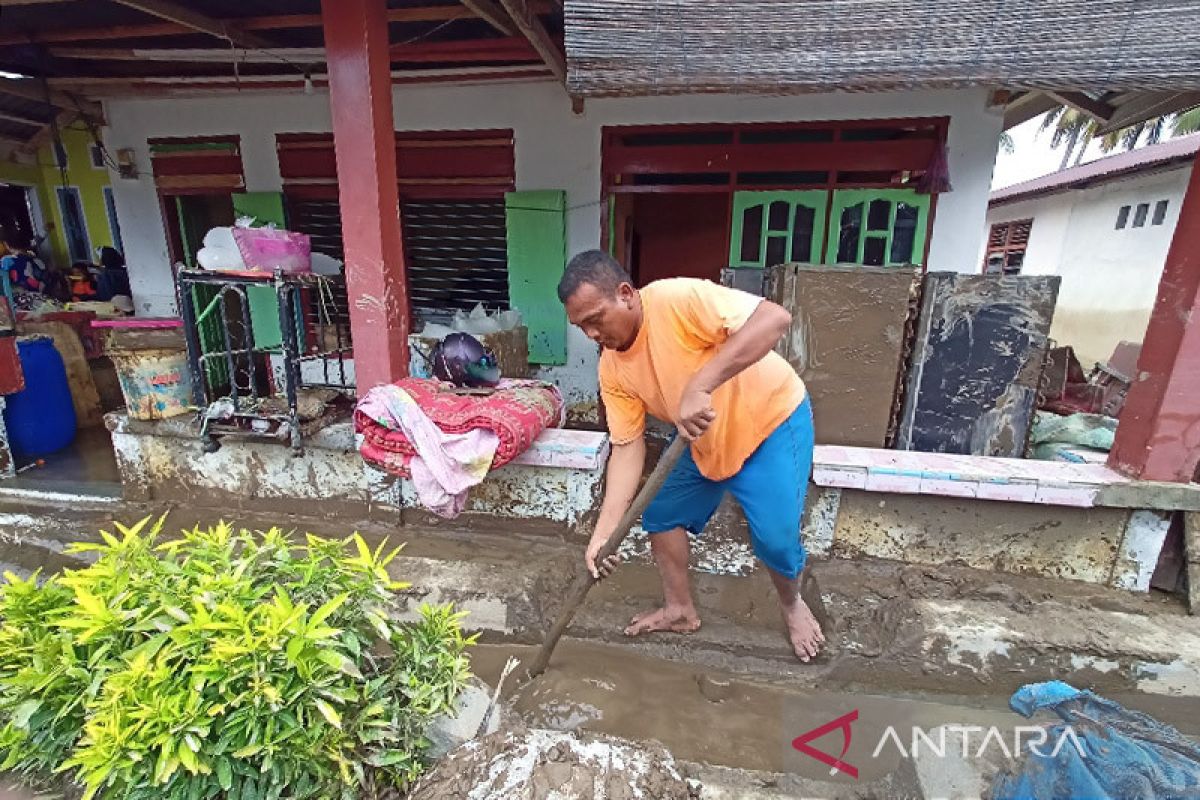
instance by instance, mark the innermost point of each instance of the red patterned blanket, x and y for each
(517, 412)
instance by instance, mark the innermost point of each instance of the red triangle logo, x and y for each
(842, 723)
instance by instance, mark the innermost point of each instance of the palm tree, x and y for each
(1073, 128)
(1128, 138)
(1187, 122)
(1070, 127)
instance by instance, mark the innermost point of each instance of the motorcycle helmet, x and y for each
(462, 359)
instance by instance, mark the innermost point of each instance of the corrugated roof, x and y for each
(640, 47)
(1155, 156)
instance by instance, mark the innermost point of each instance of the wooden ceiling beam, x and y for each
(273, 22)
(192, 55)
(105, 83)
(32, 90)
(512, 48)
(211, 88)
(8, 116)
(46, 134)
(492, 14)
(1096, 109)
(1148, 106)
(182, 15)
(526, 19)
(1027, 106)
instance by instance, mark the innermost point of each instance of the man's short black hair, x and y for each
(595, 267)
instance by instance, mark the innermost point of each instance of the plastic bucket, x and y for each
(156, 382)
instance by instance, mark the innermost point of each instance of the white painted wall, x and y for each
(555, 149)
(1109, 276)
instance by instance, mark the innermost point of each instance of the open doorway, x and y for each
(16, 217)
(667, 235)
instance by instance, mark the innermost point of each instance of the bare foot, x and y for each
(673, 620)
(803, 630)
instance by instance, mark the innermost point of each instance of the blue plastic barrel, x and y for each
(40, 418)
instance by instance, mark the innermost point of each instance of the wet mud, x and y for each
(848, 341)
(714, 717)
(522, 764)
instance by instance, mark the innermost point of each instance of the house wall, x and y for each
(1109, 276)
(555, 149)
(42, 173)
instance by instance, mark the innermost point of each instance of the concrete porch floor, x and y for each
(907, 645)
(88, 465)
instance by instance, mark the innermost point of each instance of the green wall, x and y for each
(45, 176)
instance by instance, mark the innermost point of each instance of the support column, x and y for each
(1159, 435)
(360, 98)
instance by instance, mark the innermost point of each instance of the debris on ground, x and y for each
(1109, 751)
(517, 763)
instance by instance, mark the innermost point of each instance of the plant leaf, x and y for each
(329, 713)
(323, 613)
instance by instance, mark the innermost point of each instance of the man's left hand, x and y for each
(695, 414)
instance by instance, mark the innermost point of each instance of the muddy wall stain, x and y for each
(976, 363)
(847, 343)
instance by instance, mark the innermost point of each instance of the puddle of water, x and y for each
(704, 716)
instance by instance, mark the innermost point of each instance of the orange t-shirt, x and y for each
(684, 321)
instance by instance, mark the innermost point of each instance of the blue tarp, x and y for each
(1126, 754)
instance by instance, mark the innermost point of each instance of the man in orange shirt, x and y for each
(702, 357)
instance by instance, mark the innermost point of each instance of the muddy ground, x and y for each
(732, 695)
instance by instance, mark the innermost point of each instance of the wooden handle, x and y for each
(584, 580)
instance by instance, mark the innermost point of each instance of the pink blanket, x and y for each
(447, 441)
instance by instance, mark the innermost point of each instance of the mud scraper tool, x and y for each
(583, 581)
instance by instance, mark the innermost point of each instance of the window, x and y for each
(877, 227)
(79, 245)
(1160, 212)
(97, 156)
(1139, 216)
(1122, 217)
(114, 225)
(456, 253)
(1006, 247)
(776, 227)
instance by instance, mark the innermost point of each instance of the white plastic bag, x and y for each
(218, 259)
(325, 265)
(509, 319)
(478, 323)
(220, 252)
(433, 330)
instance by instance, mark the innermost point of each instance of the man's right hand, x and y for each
(604, 568)
(624, 472)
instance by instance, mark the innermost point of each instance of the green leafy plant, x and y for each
(222, 664)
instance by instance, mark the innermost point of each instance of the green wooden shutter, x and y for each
(265, 207)
(536, 225)
(775, 227)
(204, 300)
(878, 227)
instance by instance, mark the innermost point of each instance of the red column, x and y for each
(1159, 435)
(360, 98)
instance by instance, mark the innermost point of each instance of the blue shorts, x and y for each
(770, 487)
